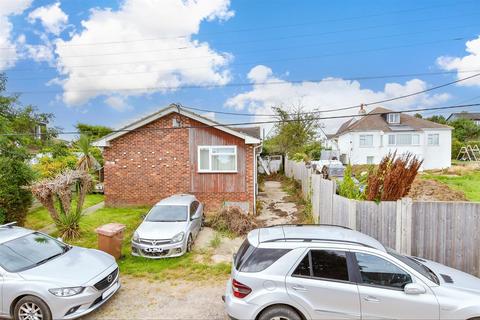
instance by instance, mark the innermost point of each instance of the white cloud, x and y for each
(53, 19)
(469, 62)
(8, 53)
(117, 103)
(146, 65)
(329, 93)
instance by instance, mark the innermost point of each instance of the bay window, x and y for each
(217, 159)
(403, 139)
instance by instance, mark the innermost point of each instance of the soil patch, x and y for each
(432, 190)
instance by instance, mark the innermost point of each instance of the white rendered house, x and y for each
(367, 139)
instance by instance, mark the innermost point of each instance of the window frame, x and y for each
(365, 145)
(393, 116)
(351, 265)
(210, 155)
(358, 274)
(395, 139)
(433, 135)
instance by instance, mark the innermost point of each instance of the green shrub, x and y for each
(51, 167)
(347, 187)
(15, 199)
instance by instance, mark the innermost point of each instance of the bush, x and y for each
(348, 188)
(231, 220)
(51, 167)
(15, 199)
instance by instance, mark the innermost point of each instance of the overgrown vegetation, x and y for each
(23, 130)
(231, 220)
(393, 177)
(348, 187)
(468, 182)
(295, 135)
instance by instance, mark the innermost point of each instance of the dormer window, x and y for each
(393, 118)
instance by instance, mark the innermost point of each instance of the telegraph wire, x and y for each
(227, 125)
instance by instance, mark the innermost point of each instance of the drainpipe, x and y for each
(255, 169)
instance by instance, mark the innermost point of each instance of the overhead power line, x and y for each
(246, 123)
(173, 88)
(343, 108)
(316, 22)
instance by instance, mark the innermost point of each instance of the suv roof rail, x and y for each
(320, 240)
(8, 225)
(309, 224)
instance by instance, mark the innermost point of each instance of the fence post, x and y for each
(403, 232)
(352, 214)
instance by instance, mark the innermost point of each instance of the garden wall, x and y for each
(446, 232)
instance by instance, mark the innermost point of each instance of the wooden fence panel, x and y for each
(447, 232)
(378, 220)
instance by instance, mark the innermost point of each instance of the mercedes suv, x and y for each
(331, 272)
(42, 278)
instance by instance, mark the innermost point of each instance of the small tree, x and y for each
(393, 178)
(87, 161)
(59, 191)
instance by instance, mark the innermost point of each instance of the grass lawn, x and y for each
(185, 267)
(469, 183)
(39, 218)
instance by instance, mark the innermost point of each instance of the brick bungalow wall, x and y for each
(142, 167)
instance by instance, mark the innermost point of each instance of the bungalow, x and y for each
(474, 116)
(366, 139)
(177, 151)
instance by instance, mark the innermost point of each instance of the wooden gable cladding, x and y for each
(216, 182)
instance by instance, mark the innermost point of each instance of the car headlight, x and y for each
(66, 292)
(178, 237)
(135, 237)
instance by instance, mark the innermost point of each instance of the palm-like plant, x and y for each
(87, 161)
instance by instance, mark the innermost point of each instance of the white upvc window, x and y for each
(404, 139)
(433, 139)
(393, 118)
(366, 140)
(391, 140)
(217, 159)
(370, 159)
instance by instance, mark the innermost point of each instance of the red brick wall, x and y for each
(142, 167)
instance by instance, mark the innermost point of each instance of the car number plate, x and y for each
(110, 290)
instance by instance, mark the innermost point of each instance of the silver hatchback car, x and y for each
(42, 278)
(169, 229)
(330, 272)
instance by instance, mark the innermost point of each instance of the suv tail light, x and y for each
(240, 290)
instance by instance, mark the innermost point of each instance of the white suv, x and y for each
(331, 272)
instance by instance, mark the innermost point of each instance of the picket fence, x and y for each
(442, 231)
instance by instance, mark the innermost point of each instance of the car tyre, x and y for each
(279, 313)
(189, 243)
(30, 306)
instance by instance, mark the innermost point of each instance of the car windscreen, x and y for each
(168, 213)
(29, 251)
(416, 265)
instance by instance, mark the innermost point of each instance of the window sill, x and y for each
(212, 171)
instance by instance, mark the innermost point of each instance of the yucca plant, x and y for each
(56, 195)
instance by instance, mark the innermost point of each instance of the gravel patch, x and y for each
(141, 298)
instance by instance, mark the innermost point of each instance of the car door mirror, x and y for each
(144, 216)
(414, 288)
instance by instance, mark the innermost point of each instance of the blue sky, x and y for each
(82, 60)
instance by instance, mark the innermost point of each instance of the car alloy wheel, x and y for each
(30, 311)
